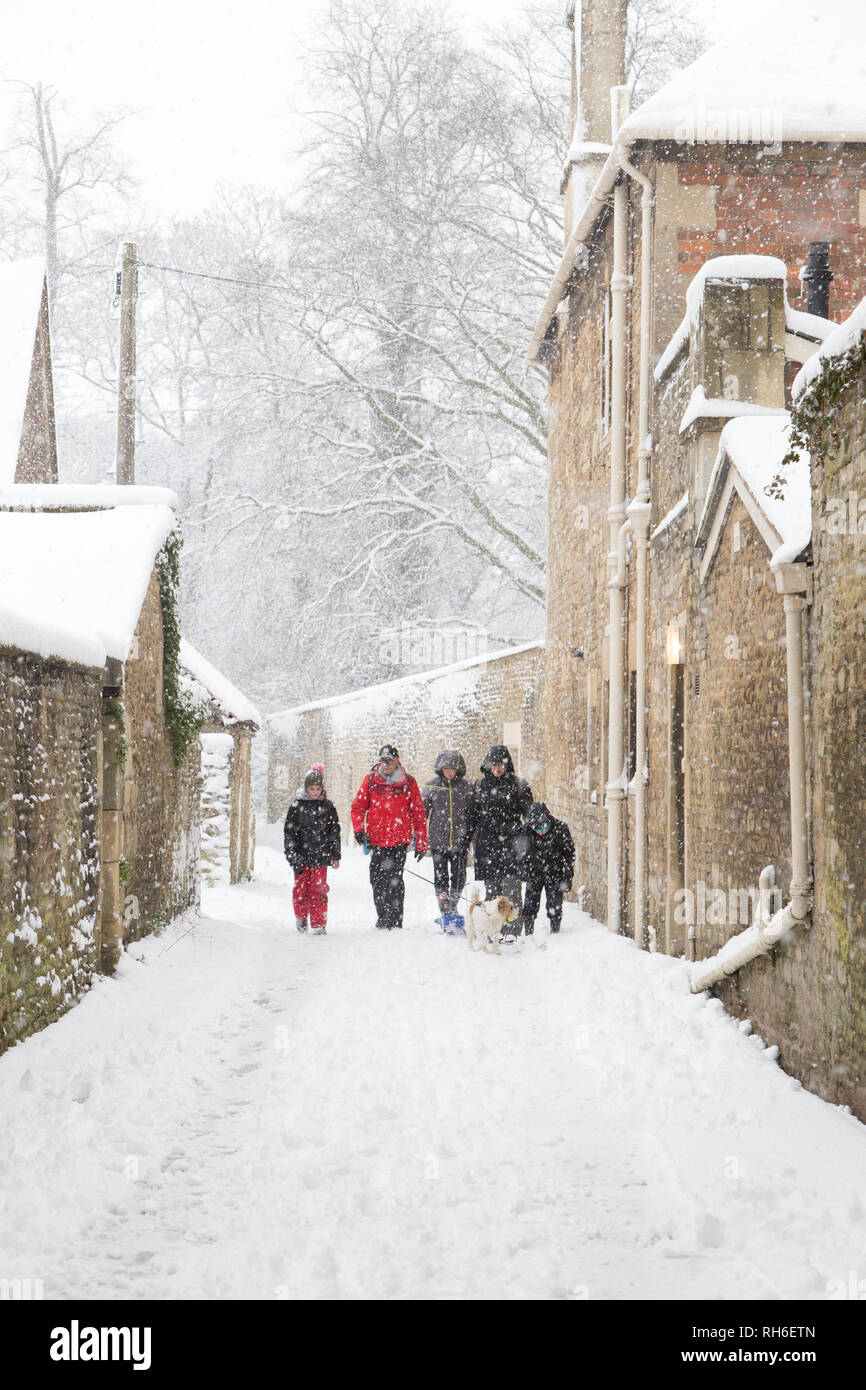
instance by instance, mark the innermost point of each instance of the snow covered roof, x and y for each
(72, 583)
(842, 337)
(21, 285)
(796, 71)
(54, 497)
(208, 684)
(750, 452)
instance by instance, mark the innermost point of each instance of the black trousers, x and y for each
(532, 902)
(449, 878)
(386, 880)
(501, 879)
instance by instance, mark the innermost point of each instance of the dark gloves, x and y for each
(419, 854)
(362, 839)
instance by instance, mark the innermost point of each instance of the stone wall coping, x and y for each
(419, 678)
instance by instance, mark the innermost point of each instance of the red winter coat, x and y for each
(394, 811)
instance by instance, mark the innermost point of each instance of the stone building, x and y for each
(99, 799)
(232, 722)
(688, 712)
(469, 705)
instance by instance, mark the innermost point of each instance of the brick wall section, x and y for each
(774, 205)
(49, 735)
(162, 812)
(466, 709)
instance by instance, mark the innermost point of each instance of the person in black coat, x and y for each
(500, 802)
(548, 863)
(311, 838)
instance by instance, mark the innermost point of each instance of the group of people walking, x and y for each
(515, 839)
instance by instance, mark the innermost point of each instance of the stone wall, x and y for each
(228, 823)
(49, 840)
(575, 693)
(161, 802)
(216, 760)
(737, 788)
(828, 969)
(469, 706)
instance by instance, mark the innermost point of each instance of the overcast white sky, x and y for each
(212, 81)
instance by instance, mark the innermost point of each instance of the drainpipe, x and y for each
(615, 790)
(793, 581)
(639, 516)
(817, 277)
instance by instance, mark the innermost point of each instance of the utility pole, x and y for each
(127, 288)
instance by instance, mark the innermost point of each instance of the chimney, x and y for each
(602, 64)
(817, 277)
(598, 64)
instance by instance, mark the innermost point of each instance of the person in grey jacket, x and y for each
(448, 803)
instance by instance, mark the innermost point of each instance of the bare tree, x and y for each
(73, 175)
(663, 37)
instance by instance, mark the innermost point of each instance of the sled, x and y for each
(452, 924)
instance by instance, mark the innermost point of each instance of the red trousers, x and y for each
(310, 895)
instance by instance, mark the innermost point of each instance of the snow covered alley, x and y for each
(247, 1113)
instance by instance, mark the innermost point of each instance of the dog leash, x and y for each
(460, 895)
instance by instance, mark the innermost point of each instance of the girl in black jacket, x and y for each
(311, 838)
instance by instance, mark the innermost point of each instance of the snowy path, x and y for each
(249, 1113)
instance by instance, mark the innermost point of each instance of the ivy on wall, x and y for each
(816, 409)
(183, 714)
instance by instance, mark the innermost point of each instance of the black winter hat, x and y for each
(388, 751)
(538, 817)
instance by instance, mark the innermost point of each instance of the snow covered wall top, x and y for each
(844, 336)
(72, 584)
(797, 71)
(21, 284)
(755, 447)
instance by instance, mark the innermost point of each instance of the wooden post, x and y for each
(126, 365)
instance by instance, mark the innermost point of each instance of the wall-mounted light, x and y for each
(674, 644)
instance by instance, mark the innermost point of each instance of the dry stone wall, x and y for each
(49, 839)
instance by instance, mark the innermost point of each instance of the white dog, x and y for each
(487, 920)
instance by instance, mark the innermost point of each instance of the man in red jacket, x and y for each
(386, 813)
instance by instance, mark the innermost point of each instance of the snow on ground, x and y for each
(244, 1112)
